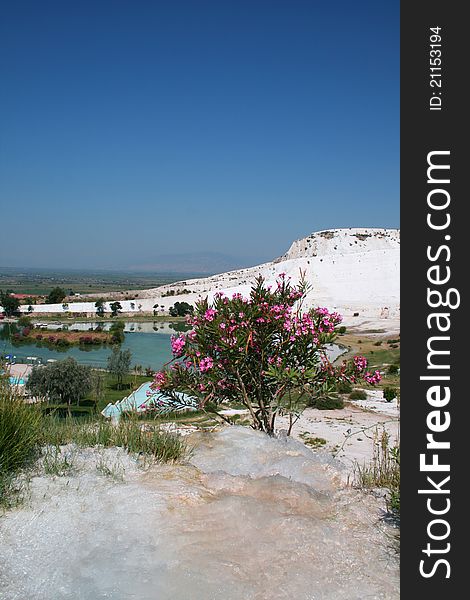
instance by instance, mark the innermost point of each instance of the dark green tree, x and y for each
(181, 309)
(64, 382)
(119, 364)
(56, 296)
(9, 303)
(115, 308)
(99, 304)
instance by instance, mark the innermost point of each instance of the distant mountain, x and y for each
(209, 263)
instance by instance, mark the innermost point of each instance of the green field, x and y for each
(41, 282)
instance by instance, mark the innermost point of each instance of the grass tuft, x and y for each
(383, 471)
(129, 434)
(20, 426)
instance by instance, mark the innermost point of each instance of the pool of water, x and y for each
(149, 344)
(148, 349)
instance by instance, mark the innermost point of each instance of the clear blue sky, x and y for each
(133, 129)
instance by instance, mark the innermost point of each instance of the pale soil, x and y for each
(349, 432)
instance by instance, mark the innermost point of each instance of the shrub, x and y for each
(19, 438)
(358, 395)
(328, 403)
(389, 393)
(393, 369)
(25, 321)
(341, 329)
(263, 350)
(378, 343)
(343, 387)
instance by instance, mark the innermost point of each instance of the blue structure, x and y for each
(144, 399)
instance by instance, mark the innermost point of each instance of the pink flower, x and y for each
(206, 364)
(159, 380)
(210, 314)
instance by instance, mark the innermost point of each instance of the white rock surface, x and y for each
(248, 518)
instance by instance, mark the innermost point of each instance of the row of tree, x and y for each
(11, 305)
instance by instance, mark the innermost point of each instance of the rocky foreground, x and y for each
(247, 517)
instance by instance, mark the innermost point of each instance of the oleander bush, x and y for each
(265, 351)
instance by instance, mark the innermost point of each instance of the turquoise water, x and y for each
(16, 381)
(148, 349)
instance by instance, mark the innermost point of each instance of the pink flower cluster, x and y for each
(159, 380)
(360, 363)
(373, 378)
(178, 344)
(327, 321)
(210, 314)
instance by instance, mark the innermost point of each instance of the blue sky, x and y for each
(134, 129)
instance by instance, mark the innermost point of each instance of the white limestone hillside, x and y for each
(349, 270)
